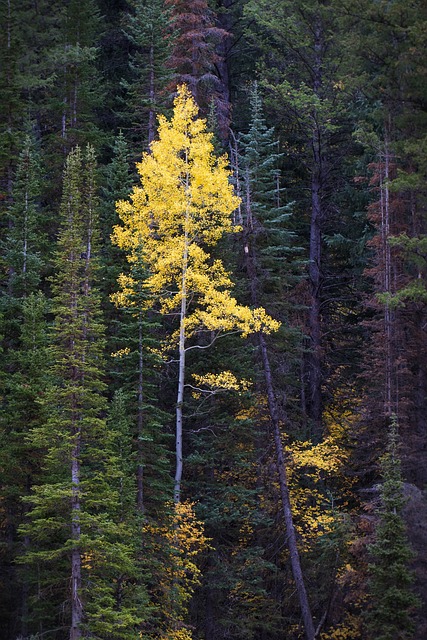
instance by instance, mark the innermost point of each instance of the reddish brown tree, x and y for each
(393, 369)
(196, 59)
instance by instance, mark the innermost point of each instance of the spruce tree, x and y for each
(261, 206)
(24, 374)
(392, 601)
(149, 31)
(25, 239)
(117, 184)
(311, 106)
(77, 547)
(131, 339)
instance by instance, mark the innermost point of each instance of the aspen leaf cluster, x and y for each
(226, 380)
(182, 207)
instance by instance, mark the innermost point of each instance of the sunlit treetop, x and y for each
(183, 206)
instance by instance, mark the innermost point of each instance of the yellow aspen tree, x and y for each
(181, 209)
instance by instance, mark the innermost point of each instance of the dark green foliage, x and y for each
(137, 370)
(25, 366)
(148, 29)
(272, 254)
(393, 603)
(24, 241)
(265, 213)
(76, 513)
(21, 411)
(117, 184)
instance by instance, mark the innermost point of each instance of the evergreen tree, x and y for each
(385, 67)
(73, 101)
(132, 338)
(390, 615)
(196, 57)
(309, 101)
(149, 31)
(77, 547)
(261, 206)
(29, 34)
(117, 182)
(26, 369)
(24, 242)
(24, 366)
(138, 372)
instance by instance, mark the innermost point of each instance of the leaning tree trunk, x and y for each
(316, 186)
(284, 494)
(291, 539)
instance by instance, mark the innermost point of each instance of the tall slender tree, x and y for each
(25, 362)
(72, 527)
(259, 183)
(182, 207)
(393, 602)
(311, 105)
(148, 28)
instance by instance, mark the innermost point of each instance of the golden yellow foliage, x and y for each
(226, 380)
(183, 539)
(178, 634)
(350, 629)
(120, 353)
(184, 205)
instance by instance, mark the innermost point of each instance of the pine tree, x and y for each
(77, 92)
(138, 372)
(26, 369)
(132, 338)
(24, 365)
(27, 39)
(390, 615)
(24, 242)
(117, 184)
(385, 67)
(310, 103)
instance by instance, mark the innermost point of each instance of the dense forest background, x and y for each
(243, 480)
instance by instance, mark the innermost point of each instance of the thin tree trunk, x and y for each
(385, 233)
(140, 465)
(315, 359)
(284, 495)
(25, 247)
(315, 375)
(280, 456)
(151, 113)
(25, 582)
(76, 568)
(181, 380)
